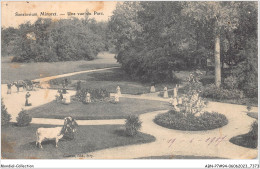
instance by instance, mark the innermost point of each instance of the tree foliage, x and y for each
(5, 116)
(154, 39)
(66, 39)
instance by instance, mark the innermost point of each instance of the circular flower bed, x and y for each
(190, 122)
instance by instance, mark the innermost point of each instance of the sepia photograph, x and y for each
(141, 80)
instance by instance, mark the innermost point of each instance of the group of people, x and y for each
(63, 96)
(116, 96)
(27, 95)
(174, 100)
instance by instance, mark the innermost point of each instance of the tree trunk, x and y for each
(217, 61)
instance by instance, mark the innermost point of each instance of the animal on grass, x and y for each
(55, 133)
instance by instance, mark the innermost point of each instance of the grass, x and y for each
(109, 80)
(20, 71)
(253, 115)
(245, 140)
(97, 110)
(19, 142)
(180, 157)
(178, 121)
(227, 96)
(248, 140)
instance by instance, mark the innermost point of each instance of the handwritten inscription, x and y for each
(208, 141)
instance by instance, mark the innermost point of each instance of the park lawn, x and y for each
(248, 140)
(109, 80)
(19, 142)
(21, 71)
(97, 110)
(245, 140)
(253, 115)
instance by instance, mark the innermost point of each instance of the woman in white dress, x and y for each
(165, 94)
(118, 91)
(116, 98)
(88, 99)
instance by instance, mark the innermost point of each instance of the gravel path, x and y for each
(212, 143)
(168, 141)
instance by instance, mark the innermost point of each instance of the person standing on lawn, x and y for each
(66, 82)
(171, 100)
(116, 98)
(175, 103)
(9, 86)
(165, 94)
(88, 100)
(57, 96)
(78, 87)
(61, 95)
(118, 91)
(27, 99)
(152, 90)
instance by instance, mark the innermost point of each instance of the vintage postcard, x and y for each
(142, 80)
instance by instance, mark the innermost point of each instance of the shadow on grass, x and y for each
(245, 140)
(248, 140)
(87, 139)
(121, 133)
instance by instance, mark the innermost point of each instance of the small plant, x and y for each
(5, 116)
(248, 106)
(192, 102)
(96, 94)
(132, 125)
(23, 119)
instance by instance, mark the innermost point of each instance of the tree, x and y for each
(223, 15)
(154, 39)
(147, 40)
(8, 38)
(5, 116)
(62, 40)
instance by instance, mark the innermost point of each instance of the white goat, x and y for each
(54, 133)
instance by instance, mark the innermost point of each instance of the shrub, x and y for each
(23, 119)
(70, 39)
(132, 125)
(190, 122)
(216, 93)
(5, 116)
(230, 82)
(250, 90)
(207, 80)
(192, 103)
(254, 130)
(249, 140)
(248, 106)
(95, 94)
(59, 81)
